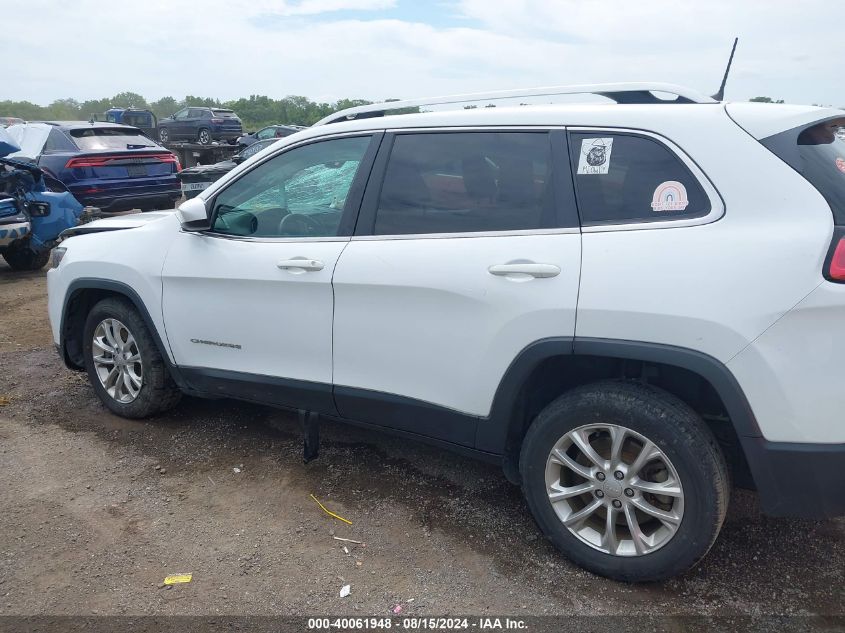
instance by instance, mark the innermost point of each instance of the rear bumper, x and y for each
(798, 480)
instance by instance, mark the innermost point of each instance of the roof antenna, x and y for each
(721, 93)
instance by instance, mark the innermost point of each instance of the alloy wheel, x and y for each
(205, 137)
(614, 489)
(117, 360)
(163, 135)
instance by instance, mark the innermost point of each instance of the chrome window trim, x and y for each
(717, 205)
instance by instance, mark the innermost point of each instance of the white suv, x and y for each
(629, 306)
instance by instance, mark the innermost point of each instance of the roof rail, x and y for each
(635, 92)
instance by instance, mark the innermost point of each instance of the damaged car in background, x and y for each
(34, 210)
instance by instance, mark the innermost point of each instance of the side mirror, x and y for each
(193, 214)
(238, 159)
(38, 209)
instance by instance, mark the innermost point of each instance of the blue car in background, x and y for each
(33, 210)
(200, 124)
(113, 167)
(144, 120)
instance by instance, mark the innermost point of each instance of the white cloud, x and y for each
(313, 7)
(232, 48)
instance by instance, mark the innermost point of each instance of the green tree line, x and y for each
(255, 111)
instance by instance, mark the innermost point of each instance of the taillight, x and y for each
(102, 161)
(167, 158)
(837, 262)
(88, 161)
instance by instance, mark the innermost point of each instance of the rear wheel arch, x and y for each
(550, 367)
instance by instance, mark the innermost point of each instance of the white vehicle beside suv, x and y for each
(630, 306)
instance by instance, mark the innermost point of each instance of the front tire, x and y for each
(22, 258)
(626, 480)
(123, 362)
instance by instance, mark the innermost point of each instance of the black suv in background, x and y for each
(202, 125)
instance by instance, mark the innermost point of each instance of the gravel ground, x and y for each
(97, 510)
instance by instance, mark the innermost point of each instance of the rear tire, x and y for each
(204, 136)
(124, 365)
(22, 258)
(608, 527)
(163, 134)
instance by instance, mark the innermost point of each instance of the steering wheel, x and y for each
(299, 225)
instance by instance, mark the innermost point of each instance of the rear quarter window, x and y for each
(623, 178)
(817, 152)
(58, 142)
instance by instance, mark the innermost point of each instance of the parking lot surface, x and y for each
(97, 510)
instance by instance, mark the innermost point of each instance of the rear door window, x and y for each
(624, 178)
(462, 182)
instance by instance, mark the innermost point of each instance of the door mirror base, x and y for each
(193, 215)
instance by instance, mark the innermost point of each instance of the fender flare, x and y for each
(124, 290)
(492, 435)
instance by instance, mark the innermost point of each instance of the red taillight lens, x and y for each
(166, 158)
(88, 161)
(102, 161)
(837, 262)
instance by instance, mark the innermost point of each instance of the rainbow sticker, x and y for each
(669, 196)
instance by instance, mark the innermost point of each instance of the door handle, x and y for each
(533, 270)
(300, 263)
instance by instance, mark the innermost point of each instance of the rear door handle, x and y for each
(300, 263)
(534, 270)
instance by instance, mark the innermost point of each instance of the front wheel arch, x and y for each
(81, 296)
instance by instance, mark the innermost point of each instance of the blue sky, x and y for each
(376, 49)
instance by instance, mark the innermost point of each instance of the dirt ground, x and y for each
(88, 525)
